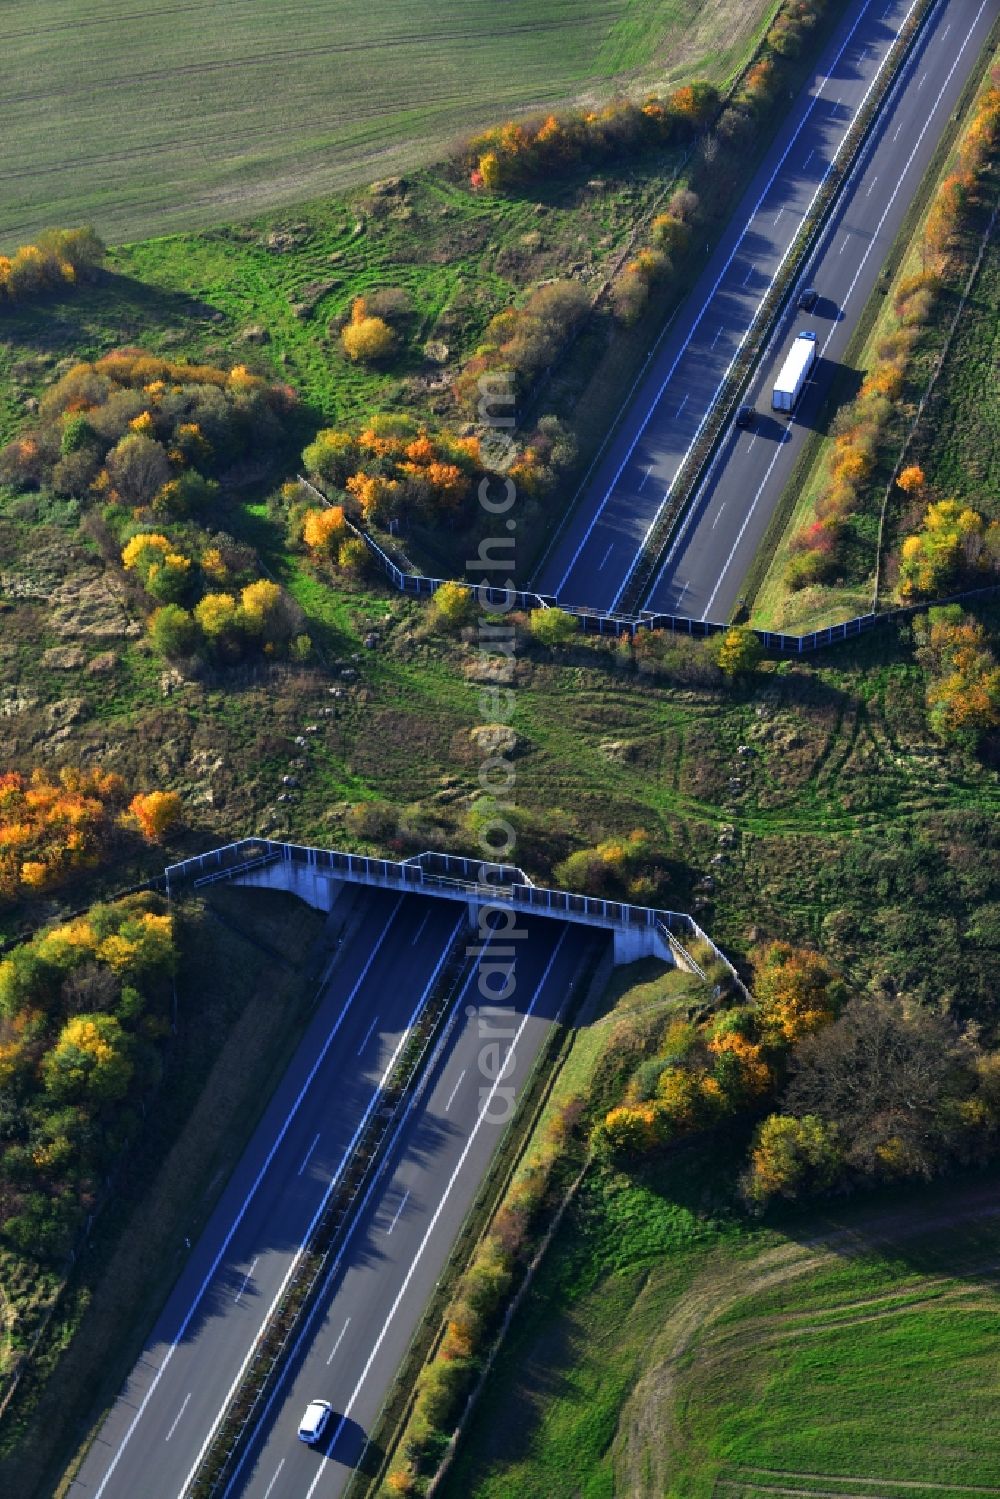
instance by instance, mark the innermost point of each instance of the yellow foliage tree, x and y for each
(738, 650)
(323, 530)
(258, 602)
(156, 812)
(367, 339)
(216, 614)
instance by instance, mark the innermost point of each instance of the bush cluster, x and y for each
(84, 1008)
(963, 675)
(143, 433)
(524, 341)
(955, 544)
(397, 470)
(670, 236)
(59, 258)
(704, 1073)
(512, 154)
(51, 826)
(887, 1093)
(628, 869)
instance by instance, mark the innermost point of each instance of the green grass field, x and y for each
(157, 119)
(669, 1348)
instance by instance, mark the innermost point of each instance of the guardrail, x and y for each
(453, 876)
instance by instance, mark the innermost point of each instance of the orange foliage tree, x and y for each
(51, 825)
(155, 812)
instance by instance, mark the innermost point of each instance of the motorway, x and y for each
(401, 1240)
(153, 1437)
(704, 569)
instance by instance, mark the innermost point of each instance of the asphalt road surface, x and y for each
(703, 571)
(160, 1421)
(595, 558)
(401, 1239)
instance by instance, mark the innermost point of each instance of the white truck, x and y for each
(794, 373)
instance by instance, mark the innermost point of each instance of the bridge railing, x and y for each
(453, 876)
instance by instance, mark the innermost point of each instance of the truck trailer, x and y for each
(794, 373)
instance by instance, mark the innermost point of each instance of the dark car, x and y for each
(745, 416)
(808, 297)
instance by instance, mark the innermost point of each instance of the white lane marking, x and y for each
(607, 554)
(388, 1155)
(432, 1225)
(718, 335)
(747, 518)
(872, 187)
(368, 1036)
(725, 374)
(777, 216)
(331, 1188)
(395, 1220)
(677, 601)
(305, 1158)
(256, 1257)
(809, 158)
(896, 131)
(887, 11)
(420, 929)
(719, 516)
(188, 1315)
(337, 1344)
(451, 1095)
(749, 273)
(844, 243)
(705, 305)
(645, 477)
(681, 407)
(921, 83)
(751, 442)
(180, 1413)
(946, 31)
(274, 1480)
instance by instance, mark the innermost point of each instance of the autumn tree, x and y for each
(367, 339)
(789, 1155)
(323, 530)
(887, 1078)
(155, 812)
(174, 632)
(738, 651)
(553, 627)
(452, 605)
(911, 479)
(89, 1061)
(796, 992)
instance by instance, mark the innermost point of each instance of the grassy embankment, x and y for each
(671, 1346)
(146, 122)
(242, 1007)
(959, 429)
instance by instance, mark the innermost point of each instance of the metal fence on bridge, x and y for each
(455, 877)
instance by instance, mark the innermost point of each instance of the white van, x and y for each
(314, 1422)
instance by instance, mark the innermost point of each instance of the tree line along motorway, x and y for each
(151, 1441)
(713, 547)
